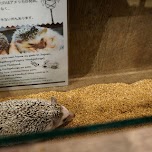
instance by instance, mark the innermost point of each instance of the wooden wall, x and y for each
(109, 36)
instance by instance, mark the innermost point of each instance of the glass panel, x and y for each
(12, 140)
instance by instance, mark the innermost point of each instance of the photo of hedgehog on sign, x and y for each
(4, 45)
(31, 39)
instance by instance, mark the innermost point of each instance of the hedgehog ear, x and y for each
(53, 100)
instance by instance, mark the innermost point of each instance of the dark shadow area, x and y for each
(87, 23)
(86, 26)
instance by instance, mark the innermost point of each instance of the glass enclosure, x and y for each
(110, 73)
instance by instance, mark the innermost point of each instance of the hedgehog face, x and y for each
(50, 3)
(62, 115)
(31, 45)
(66, 118)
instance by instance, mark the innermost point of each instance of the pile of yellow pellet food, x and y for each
(102, 103)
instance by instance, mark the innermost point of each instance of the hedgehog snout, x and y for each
(67, 117)
(70, 117)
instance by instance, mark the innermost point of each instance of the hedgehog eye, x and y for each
(42, 40)
(64, 120)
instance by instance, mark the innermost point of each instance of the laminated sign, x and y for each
(33, 44)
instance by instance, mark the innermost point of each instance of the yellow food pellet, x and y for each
(102, 103)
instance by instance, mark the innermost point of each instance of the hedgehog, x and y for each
(49, 64)
(26, 33)
(4, 45)
(28, 39)
(32, 115)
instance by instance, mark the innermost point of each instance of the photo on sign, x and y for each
(31, 39)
